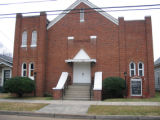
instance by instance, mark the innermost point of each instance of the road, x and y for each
(14, 117)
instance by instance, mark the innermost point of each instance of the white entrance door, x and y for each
(82, 73)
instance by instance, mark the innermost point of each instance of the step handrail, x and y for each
(98, 81)
(62, 83)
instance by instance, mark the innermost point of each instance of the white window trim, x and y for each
(2, 77)
(30, 71)
(133, 79)
(23, 45)
(93, 37)
(23, 70)
(141, 69)
(33, 45)
(132, 69)
(70, 38)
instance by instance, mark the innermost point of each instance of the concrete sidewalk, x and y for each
(69, 102)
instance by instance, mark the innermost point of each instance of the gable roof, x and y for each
(91, 5)
(157, 62)
(6, 58)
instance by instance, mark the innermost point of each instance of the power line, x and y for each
(153, 5)
(25, 2)
(75, 11)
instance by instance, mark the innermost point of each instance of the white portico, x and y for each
(81, 67)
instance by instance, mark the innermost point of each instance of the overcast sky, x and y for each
(7, 26)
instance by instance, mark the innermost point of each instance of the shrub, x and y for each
(19, 85)
(113, 87)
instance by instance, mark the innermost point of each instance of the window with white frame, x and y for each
(24, 70)
(31, 70)
(34, 39)
(132, 68)
(24, 39)
(140, 69)
(81, 15)
(136, 87)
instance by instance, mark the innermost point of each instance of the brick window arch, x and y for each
(24, 70)
(24, 39)
(140, 69)
(34, 39)
(132, 68)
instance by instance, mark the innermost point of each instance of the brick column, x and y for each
(57, 94)
(97, 95)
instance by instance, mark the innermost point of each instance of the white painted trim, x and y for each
(33, 45)
(61, 82)
(80, 60)
(23, 46)
(132, 69)
(141, 69)
(93, 37)
(6, 64)
(70, 38)
(2, 77)
(106, 15)
(135, 79)
(98, 81)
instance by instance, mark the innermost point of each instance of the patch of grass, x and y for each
(8, 96)
(154, 99)
(124, 110)
(21, 106)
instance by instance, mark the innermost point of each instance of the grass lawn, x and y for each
(124, 110)
(21, 106)
(8, 96)
(155, 99)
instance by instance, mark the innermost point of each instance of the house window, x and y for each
(24, 70)
(81, 15)
(31, 70)
(34, 39)
(24, 39)
(136, 87)
(132, 69)
(140, 69)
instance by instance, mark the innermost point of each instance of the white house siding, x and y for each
(157, 78)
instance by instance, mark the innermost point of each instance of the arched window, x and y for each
(24, 70)
(132, 68)
(31, 70)
(140, 69)
(34, 39)
(24, 39)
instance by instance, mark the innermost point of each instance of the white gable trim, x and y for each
(106, 15)
(81, 55)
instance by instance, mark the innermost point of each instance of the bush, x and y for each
(19, 85)
(113, 87)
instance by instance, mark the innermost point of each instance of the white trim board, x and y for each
(91, 5)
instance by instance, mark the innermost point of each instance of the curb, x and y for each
(69, 116)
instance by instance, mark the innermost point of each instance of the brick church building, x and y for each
(84, 45)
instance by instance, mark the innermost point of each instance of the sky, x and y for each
(7, 25)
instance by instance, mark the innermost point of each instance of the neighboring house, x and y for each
(5, 68)
(157, 74)
(85, 43)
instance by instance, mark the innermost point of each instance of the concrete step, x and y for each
(83, 99)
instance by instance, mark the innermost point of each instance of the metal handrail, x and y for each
(65, 86)
(91, 87)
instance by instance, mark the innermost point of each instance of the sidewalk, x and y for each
(77, 109)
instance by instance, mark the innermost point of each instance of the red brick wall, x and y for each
(115, 47)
